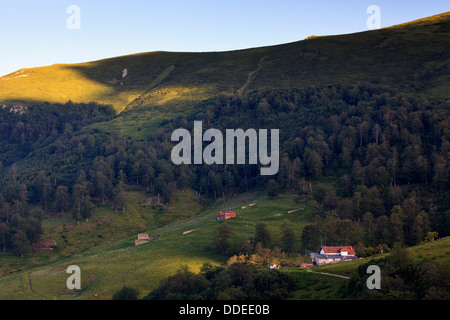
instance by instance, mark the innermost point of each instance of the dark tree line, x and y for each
(28, 193)
(240, 281)
(262, 245)
(26, 129)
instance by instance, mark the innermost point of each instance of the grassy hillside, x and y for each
(105, 251)
(329, 282)
(108, 258)
(437, 252)
(159, 85)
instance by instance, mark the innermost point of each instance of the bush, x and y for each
(126, 293)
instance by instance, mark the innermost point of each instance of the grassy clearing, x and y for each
(437, 252)
(111, 261)
(312, 286)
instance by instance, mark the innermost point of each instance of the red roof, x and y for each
(336, 250)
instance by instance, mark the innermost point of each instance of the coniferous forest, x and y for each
(388, 150)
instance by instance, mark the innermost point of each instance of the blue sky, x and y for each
(34, 33)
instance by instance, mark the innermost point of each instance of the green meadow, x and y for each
(160, 85)
(104, 248)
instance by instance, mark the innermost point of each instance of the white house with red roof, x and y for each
(333, 255)
(343, 251)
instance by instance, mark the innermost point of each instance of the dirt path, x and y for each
(251, 75)
(142, 97)
(30, 288)
(330, 274)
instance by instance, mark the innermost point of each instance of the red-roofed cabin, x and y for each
(226, 215)
(342, 251)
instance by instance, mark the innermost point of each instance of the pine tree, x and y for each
(262, 234)
(287, 236)
(222, 235)
(62, 197)
(396, 222)
(20, 242)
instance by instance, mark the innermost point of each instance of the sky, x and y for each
(39, 33)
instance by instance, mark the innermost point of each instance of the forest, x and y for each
(388, 153)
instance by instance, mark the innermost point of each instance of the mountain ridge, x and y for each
(398, 53)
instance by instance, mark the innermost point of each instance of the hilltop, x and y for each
(158, 86)
(412, 55)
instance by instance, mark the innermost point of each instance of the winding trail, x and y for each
(30, 287)
(330, 274)
(252, 75)
(159, 79)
